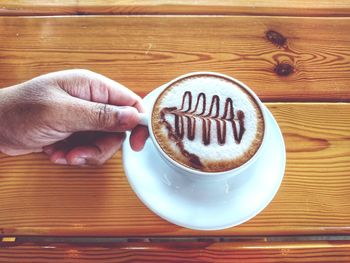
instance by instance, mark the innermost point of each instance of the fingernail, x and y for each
(143, 119)
(128, 118)
(61, 161)
(79, 161)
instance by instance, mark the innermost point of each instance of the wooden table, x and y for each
(296, 56)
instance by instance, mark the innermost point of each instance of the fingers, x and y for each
(96, 152)
(138, 137)
(97, 103)
(59, 156)
(93, 148)
(101, 104)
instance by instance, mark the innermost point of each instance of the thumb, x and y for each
(88, 115)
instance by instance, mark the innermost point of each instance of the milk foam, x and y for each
(224, 89)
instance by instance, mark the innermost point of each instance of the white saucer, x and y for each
(206, 205)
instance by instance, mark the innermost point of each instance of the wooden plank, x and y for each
(312, 251)
(311, 64)
(228, 7)
(39, 198)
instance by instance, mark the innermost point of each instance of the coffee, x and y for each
(208, 122)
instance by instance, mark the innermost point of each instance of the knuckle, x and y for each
(104, 119)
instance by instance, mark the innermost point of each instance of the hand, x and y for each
(77, 117)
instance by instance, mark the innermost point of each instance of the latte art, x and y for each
(189, 115)
(207, 122)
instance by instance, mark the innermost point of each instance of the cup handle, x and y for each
(143, 119)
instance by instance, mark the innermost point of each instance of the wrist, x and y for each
(6, 103)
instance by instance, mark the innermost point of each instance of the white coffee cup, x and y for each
(145, 119)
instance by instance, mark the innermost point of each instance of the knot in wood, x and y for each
(284, 69)
(276, 38)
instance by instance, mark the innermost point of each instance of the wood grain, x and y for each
(144, 52)
(252, 7)
(317, 251)
(39, 198)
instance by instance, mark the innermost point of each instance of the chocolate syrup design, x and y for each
(187, 112)
(197, 113)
